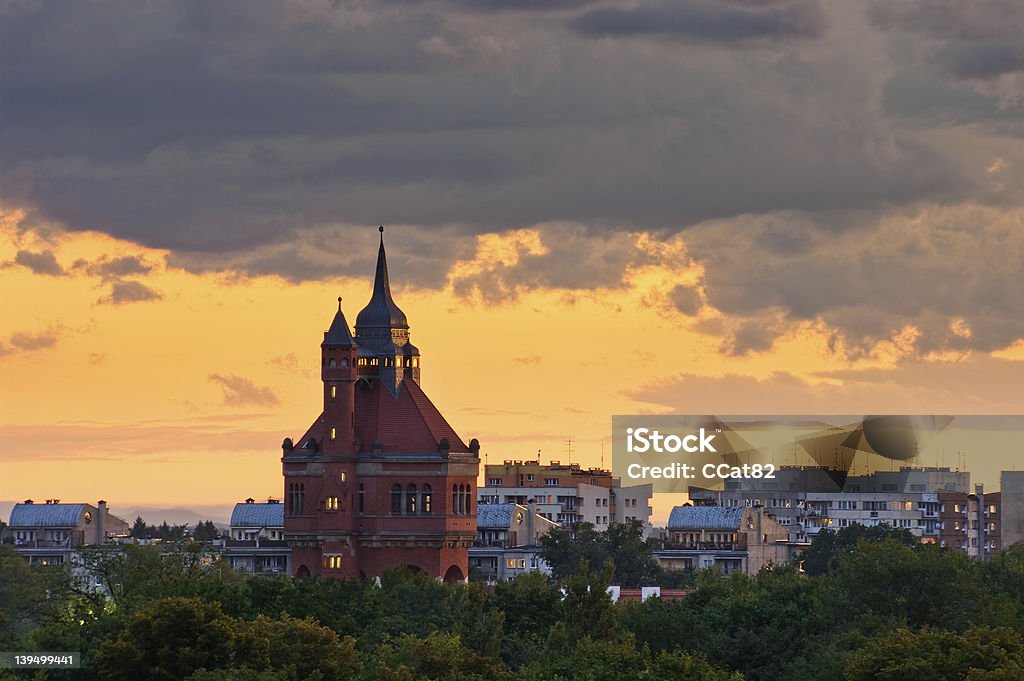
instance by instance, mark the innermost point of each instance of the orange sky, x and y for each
(185, 398)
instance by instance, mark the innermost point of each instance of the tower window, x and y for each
(362, 498)
(334, 432)
(410, 498)
(396, 499)
(427, 500)
(331, 504)
(332, 363)
(343, 477)
(334, 391)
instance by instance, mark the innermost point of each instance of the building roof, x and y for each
(406, 422)
(381, 311)
(258, 515)
(339, 333)
(495, 515)
(46, 515)
(705, 518)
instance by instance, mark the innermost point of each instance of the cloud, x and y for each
(122, 292)
(240, 392)
(527, 360)
(309, 128)
(963, 39)
(114, 268)
(977, 385)
(42, 262)
(685, 299)
(936, 269)
(707, 20)
(24, 341)
(74, 441)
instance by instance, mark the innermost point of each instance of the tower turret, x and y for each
(338, 355)
(382, 331)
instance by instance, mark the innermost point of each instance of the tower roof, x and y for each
(381, 311)
(339, 333)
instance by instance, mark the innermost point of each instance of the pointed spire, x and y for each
(339, 333)
(381, 311)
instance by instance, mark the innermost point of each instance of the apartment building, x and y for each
(566, 493)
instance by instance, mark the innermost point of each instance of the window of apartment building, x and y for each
(553, 482)
(529, 477)
(917, 487)
(889, 487)
(494, 482)
(992, 508)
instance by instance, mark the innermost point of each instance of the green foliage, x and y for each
(565, 550)
(829, 547)
(876, 608)
(978, 654)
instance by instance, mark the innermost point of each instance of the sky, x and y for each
(591, 208)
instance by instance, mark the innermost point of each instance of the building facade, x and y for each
(50, 533)
(380, 479)
(729, 539)
(255, 542)
(933, 504)
(567, 493)
(508, 541)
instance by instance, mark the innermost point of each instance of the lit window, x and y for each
(334, 391)
(334, 432)
(343, 476)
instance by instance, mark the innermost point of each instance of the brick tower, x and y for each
(380, 479)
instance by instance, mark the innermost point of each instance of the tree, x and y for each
(979, 654)
(828, 546)
(205, 531)
(564, 550)
(140, 529)
(174, 638)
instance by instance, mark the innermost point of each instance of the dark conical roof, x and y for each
(339, 333)
(381, 311)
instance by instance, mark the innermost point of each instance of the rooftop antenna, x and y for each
(568, 449)
(602, 454)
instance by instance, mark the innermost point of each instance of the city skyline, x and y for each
(592, 208)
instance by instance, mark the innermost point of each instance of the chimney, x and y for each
(101, 521)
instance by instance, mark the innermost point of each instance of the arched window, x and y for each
(427, 502)
(332, 363)
(455, 499)
(344, 361)
(396, 499)
(334, 432)
(410, 498)
(334, 391)
(343, 477)
(469, 500)
(362, 498)
(462, 500)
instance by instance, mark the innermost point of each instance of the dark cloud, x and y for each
(967, 40)
(24, 341)
(707, 20)
(685, 299)
(240, 391)
(122, 292)
(981, 60)
(358, 113)
(951, 272)
(43, 262)
(113, 268)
